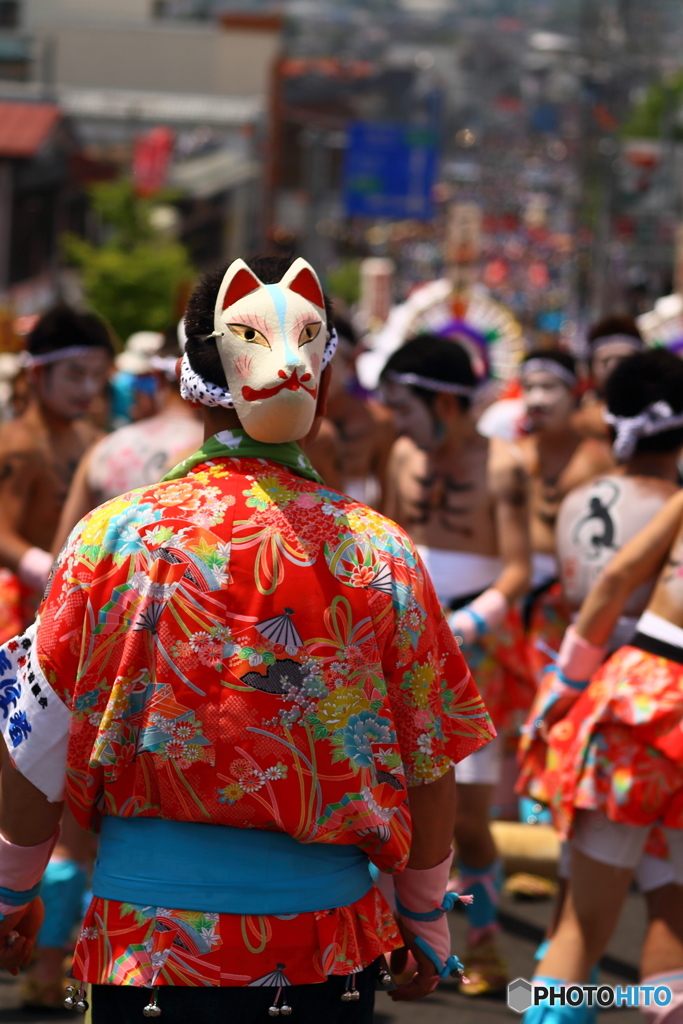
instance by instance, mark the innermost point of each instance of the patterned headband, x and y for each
(429, 383)
(550, 366)
(194, 388)
(655, 419)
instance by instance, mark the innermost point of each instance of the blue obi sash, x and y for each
(220, 869)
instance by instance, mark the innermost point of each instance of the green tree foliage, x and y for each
(344, 281)
(134, 278)
(660, 105)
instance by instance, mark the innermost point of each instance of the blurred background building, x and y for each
(342, 130)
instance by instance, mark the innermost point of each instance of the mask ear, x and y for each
(302, 279)
(238, 281)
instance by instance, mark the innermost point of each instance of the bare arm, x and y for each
(509, 486)
(432, 809)
(638, 561)
(79, 501)
(17, 474)
(27, 817)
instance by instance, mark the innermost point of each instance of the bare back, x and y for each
(554, 470)
(595, 521)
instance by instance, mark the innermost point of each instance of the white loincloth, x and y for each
(544, 570)
(364, 489)
(457, 574)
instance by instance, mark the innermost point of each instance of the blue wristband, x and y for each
(449, 901)
(480, 622)
(562, 678)
(452, 968)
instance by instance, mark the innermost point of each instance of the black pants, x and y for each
(311, 1004)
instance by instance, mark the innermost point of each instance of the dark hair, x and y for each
(430, 355)
(613, 325)
(62, 327)
(202, 351)
(644, 378)
(563, 359)
(346, 330)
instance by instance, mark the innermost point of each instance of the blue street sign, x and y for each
(390, 171)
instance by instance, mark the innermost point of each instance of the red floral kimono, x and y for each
(620, 748)
(243, 646)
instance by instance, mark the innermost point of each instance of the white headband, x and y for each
(655, 419)
(550, 366)
(194, 388)
(429, 383)
(617, 339)
(165, 365)
(29, 361)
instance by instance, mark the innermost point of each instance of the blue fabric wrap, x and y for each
(64, 884)
(221, 869)
(484, 911)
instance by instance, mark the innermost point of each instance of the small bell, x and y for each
(384, 976)
(285, 1010)
(354, 995)
(82, 1005)
(347, 997)
(273, 1011)
(69, 997)
(151, 1010)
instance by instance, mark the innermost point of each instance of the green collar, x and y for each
(236, 444)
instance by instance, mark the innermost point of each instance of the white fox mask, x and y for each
(271, 339)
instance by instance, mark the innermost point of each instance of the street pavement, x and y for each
(523, 925)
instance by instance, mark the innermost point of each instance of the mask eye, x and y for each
(309, 332)
(250, 334)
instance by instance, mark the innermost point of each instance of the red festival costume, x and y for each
(241, 646)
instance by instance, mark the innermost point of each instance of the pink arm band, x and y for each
(420, 894)
(34, 568)
(22, 867)
(578, 659)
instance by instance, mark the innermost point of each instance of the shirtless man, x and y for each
(69, 356)
(594, 523)
(365, 426)
(609, 341)
(615, 732)
(557, 460)
(139, 453)
(462, 499)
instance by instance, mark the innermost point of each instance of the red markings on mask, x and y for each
(242, 284)
(305, 284)
(292, 383)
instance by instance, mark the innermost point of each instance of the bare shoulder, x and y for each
(88, 433)
(17, 436)
(526, 449)
(403, 452)
(507, 473)
(591, 458)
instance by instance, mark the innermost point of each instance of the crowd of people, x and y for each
(269, 643)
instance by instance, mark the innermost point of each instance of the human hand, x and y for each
(18, 933)
(424, 979)
(557, 710)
